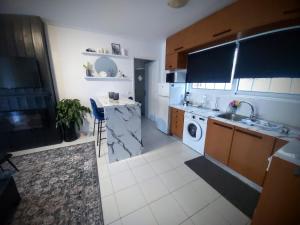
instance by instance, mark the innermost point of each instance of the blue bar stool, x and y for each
(98, 119)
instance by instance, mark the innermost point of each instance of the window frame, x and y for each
(255, 94)
(277, 95)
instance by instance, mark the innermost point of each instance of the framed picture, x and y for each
(116, 49)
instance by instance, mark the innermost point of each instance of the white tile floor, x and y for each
(158, 188)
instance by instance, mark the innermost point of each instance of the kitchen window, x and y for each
(213, 86)
(270, 85)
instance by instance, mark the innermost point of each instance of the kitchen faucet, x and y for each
(252, 115)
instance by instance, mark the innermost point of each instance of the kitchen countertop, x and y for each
(289, 152)
(182, 107)
(205, 112)
(106, 102)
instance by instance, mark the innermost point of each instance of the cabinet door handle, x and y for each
(291, 11)
(250, 134)
(176, 49)
(222, 125)
(221, 33)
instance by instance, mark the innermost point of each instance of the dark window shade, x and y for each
(270, 55)
(211, 66)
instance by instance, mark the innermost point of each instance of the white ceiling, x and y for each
(141, 19)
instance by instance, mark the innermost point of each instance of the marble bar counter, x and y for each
(123, 127)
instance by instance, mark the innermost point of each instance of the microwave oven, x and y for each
(176, 77)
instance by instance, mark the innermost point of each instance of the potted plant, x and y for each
(233, 105)
(88, 69)
(70, 115)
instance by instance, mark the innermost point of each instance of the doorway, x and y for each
(141, 83)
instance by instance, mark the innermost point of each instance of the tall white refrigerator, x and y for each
(168, 94)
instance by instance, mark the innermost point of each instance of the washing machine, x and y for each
(194, 131)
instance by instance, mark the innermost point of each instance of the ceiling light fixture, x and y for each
(177, 3)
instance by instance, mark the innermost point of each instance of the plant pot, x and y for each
(88, 73)
(70, 133)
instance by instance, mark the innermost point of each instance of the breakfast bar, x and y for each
(123, 126)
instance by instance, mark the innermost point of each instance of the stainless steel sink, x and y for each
(263, 124)
(232, 116)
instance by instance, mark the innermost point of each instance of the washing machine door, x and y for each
(194, 131)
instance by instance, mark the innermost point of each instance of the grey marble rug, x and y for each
(59, 186)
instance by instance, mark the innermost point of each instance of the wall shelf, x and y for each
(103, 54)
(106, 79)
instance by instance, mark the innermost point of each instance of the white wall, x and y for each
(65, 47)
(279, 110)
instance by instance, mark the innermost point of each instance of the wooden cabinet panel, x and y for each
(173, 121)
(279, 202)
(175, 61)
(171, 61)
(218, 140)
(242, 17)
(177, 121)
(180, 122)
(249, 154)
(278, 144)
(175, 43)
(251, 14)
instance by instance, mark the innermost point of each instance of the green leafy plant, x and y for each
(70, 112)
(88, 66)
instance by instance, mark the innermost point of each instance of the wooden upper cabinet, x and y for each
(279, 202)
(251, 14)
(171, 61)
(218, 140)
(242, 17)
(175, 61)
(175, 43)
(249, 154)
(177, 121)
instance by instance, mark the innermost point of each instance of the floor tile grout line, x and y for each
(189, 217)
(147, 204)
(138, 184)
(134, 210)
(157, 175)
(170, 193)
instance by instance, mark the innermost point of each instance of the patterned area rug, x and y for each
(59, 186)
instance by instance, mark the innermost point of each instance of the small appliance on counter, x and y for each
(116, 96)
(113, 95)
(177, 76)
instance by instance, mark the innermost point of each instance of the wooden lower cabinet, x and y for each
(218, 140)
(177, 121)
(279, 143)
(279, 202)
(249, 154)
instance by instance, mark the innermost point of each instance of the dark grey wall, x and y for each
(24, 36)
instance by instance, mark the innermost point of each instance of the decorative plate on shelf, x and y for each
(107, 65)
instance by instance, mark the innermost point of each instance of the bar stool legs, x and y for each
(94, 126)
(100, 129)
(100, 139)
(98, 133)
